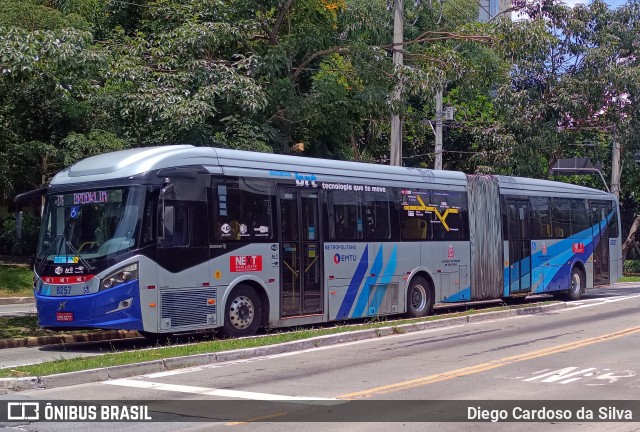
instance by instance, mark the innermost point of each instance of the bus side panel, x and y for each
(615, 263)
(256, 264)
(411, 255)
(381, 294)
(541, 267)
(365, 281)
(552, 270)
(347, 269)
(451, 261)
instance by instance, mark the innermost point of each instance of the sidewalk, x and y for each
(16, 300)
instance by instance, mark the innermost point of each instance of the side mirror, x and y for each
(168, 225)
(167, 188)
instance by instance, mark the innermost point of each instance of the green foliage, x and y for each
(10, 244)
(32, 16)
(631, 267)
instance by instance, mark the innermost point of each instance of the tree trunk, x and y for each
(631, 238)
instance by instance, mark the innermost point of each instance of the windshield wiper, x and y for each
(75, 251)
(46, 254)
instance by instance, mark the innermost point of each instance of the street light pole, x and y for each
(438, 150)
(615, 165)
(396, 121)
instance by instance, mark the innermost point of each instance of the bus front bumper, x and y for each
(117, 308)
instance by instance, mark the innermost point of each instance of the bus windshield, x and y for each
(90, 224)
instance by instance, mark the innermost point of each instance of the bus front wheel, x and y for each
(419, 298)
(243, 312)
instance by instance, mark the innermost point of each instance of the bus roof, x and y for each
(127, 163)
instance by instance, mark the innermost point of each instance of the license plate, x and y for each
(64, 316)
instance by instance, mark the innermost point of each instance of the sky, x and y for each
(612, 3)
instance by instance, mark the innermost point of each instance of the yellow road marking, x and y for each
(493, 364)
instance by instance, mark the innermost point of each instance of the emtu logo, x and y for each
(337, 258)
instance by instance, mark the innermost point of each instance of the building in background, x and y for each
(490, 8)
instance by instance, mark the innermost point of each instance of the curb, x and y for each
(59, 339)
(123, 371)
(16, 300)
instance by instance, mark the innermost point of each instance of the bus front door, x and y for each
(519, 246)
(600, 243)
(300, 253)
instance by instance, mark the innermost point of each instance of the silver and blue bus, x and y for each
(179, 238)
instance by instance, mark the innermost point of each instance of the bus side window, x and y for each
(377, 212)
(579, 216)
(561, 217)
(347, 220)
(416, 219)
(540, 218)
(243, 211)
(148, 228)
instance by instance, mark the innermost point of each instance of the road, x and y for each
(22, 356)
(588, 352)
(17, 309)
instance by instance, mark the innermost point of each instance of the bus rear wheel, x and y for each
(242, 313)
(577, 285)
(419, 298)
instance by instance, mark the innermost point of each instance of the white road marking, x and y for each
(597, 302)
(219, 392)
(571, 374)
(293, 353)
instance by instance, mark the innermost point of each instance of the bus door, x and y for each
(519, 236)
(600, 243)
(300, 252)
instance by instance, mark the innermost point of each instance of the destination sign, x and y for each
(88, 197)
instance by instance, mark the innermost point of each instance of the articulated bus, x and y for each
(180, 238)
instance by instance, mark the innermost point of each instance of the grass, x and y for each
(629, 279)
(16, 281)
(218, 345)
(21, 326)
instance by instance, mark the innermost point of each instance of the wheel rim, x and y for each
(418, 298)
(241, 312)
(576, 283)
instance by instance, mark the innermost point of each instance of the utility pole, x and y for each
(398, 48)
(438, 163)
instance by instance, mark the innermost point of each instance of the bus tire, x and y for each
(577, 285)
(419, 298)
(242, 313)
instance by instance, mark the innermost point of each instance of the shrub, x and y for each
(10, 244)
(631, 267)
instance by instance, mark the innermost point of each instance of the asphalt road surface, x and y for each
(590, 352)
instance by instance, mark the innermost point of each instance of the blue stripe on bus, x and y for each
(354, 285)
(385, 280)
(462, 295)
(363, 299)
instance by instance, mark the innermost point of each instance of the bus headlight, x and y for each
(120, 276)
